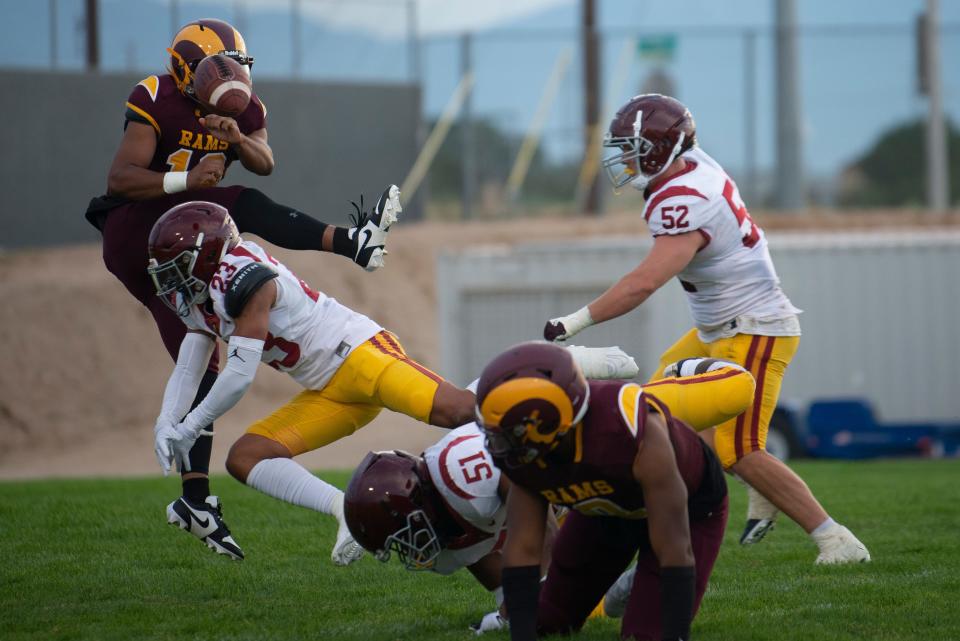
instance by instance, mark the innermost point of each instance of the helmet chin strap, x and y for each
(642, 180)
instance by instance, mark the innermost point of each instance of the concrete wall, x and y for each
(879, 321)
(59, 132)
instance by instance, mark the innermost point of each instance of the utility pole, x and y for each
(240, 16)
(938, 184)
(468, 154)
(296, 40)
(93, 35)
(789, 185)
(591, 95)
(749, 190)
(415, 70)
(53, 34)
(413, 43)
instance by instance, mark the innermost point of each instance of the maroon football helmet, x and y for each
(186, 246)
(649, 132)
(528, 397)
(391, 505)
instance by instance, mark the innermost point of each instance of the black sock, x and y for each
(200, 452)
(196, 490)
(255, 213)
(342, 244)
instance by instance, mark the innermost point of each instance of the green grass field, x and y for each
(93, 559)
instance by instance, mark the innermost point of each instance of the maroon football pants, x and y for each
(591, 552)
(125, 235)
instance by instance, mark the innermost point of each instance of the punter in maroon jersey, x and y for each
(174, 151)
(637, 481)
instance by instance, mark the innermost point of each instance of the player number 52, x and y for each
(674, 217)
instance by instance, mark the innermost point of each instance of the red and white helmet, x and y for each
(185, 247)
(649, 132)
(391, 505)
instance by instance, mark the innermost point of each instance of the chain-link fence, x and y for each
(858, 86)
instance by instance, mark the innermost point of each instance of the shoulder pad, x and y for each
(151, 84)
(245, 284)
(629, 401)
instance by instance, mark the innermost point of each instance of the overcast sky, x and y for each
(434, 17)
(857, 57)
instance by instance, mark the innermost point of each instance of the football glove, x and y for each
(172, 443)
(560, 329)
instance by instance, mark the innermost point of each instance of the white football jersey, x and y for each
(732, 276)
(463, 472)
(310, 334)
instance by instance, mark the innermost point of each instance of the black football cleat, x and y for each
(755, 530)
(205, 521)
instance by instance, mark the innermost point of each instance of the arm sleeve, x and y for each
(521, 592)
(678, 593)
(195, 351)
(243, 356)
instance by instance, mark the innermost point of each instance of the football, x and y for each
(222, 85)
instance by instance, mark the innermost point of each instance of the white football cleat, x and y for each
(370, 231)
(490, 622)
(346, 550)
(615, 600)
(839, 545)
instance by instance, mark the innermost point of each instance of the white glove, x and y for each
(562, 328)
(489, 623)
(172, 443)
(604, 362)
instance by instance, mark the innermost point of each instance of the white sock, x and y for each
(287, 480)
(823, 528)
(759, 506)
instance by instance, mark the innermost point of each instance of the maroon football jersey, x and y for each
(593, 471)
(181, 141)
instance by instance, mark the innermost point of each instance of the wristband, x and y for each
(174, 182)
(577, 321)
